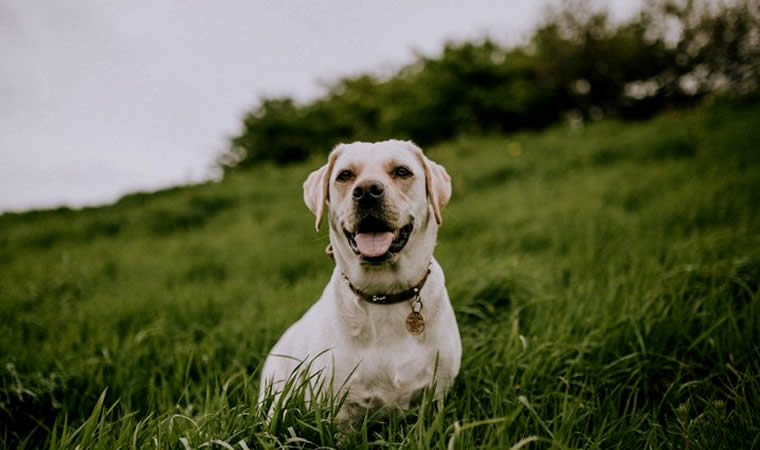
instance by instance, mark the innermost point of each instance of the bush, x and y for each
(577, 63)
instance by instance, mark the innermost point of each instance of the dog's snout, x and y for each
(368, 190)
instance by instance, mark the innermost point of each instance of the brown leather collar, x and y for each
(389, 299)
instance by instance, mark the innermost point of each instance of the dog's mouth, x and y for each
(376, 241)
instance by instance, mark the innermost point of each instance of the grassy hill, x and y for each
(605, 280)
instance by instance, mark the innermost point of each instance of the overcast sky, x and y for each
(99, 98)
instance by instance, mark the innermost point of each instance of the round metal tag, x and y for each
(415, 323)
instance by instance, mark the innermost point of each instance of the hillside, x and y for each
(605, 280)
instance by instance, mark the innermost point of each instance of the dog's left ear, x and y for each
(438, 183)
(316, 187)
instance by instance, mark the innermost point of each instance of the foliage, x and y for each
(577, 64)
(605, 280)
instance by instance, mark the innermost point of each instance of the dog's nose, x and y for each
(368, 190)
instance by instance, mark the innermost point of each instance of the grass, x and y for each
(605, 281)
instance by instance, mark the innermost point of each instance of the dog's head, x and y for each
(384, 203)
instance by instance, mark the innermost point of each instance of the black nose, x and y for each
(368, 190)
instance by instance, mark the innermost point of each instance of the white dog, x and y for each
(384, 320)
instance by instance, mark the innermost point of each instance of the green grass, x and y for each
(605, 282)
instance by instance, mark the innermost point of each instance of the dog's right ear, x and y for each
(315, 188)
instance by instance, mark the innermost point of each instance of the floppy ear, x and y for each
(315, 188)
(438, 184)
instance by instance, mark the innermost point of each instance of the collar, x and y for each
(389, 299)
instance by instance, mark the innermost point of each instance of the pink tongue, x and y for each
(373, 245)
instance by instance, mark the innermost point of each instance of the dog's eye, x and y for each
(344, 175)
(402, 172)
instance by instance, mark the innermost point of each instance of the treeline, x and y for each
(577, 64)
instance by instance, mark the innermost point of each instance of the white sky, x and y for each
(99, 98)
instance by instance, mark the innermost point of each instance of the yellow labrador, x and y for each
(385, 317)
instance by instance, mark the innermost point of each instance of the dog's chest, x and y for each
(391, 376)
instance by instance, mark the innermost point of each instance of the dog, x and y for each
(384, 327)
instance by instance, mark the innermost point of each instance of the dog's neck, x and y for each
(390, 298)
(364, 322)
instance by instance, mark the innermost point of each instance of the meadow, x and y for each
(605, 279)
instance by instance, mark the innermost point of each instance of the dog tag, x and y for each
(415, 323)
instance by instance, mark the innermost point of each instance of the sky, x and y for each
(100, 98)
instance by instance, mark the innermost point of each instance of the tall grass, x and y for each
(605, 281)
